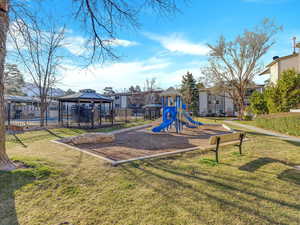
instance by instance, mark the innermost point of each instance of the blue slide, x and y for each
(187, 116)
(168, 118)
(188, 125)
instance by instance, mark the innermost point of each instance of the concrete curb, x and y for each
(129, 129)
(87, 152)
(113, 162)
(164, 154)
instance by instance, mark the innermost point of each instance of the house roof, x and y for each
(267, 69)
(21, 99)
(282, 58)
(136, 93)
(86, 95)
(170, 92)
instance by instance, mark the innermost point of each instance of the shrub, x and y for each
(289, 90)
(285, 95)
(258, 103)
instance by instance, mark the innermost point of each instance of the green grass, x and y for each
(287, 123)
(62, 185)
(42, 135)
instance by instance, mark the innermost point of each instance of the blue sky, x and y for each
(165, 48)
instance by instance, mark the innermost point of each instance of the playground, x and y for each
(143, 143)
(176, 132)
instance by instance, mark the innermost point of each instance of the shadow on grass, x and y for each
(257, 163)
(290, 175)
(199, 194)
(10, 182)
(52, 133)
(294, 143)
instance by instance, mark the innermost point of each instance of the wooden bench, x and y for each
(14, 128)
(227, 138)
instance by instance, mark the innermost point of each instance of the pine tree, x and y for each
(13, 80)
(190, 92)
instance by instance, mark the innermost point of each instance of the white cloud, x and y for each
(118, 75)
(77, 45)
(176, 43)
(122, 75)
(123, 43)
(15, 35)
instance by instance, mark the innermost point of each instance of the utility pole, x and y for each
(294, 45)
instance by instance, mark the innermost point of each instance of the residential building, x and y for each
(258, 87)
(211, 104)
(280, 64)
(25, 107)
(135, 100)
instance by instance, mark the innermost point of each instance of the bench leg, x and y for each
(241, 142)
(217, 149)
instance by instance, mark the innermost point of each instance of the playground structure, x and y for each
(138, 143)
(174, 113)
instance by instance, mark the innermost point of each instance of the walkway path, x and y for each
(263, 131)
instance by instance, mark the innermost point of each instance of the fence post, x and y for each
(92, 114)
(58, 113)
(8, 114)
(136, 112)
(78, 112)
(112, 114)
(100, 114)
(47, 115)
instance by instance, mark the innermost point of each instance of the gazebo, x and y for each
(85, 109)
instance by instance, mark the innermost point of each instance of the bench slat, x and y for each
(225, 138)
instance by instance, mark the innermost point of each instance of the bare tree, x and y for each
(103, 18)
(37, 47)
(150, 85)
(5, 163)
(234, 64)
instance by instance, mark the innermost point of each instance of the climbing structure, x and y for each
(174, 113)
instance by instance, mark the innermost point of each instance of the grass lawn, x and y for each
(63, 186)
(287, 123)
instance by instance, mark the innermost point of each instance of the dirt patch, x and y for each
(144, 142)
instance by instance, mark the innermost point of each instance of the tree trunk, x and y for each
(241, 108)
(5, 163)
(43, 108)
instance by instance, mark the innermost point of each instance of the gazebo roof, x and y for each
(21, 99)
(152, 106)
(86, 95)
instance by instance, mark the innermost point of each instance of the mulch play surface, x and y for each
(144, 142)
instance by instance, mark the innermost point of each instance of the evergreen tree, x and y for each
(13, 80)
(285, 95)
(70, 92)
(258, 103)
(190, 92)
